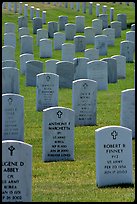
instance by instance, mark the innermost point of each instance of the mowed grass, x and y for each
(74, 181)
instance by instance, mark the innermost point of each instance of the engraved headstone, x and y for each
(26, 44)
(97, 25)
(89, 33)
(121, 66)
(130, 35)
(92, 54)
(97, 10)
(44, 17)
(41, 33)
(16, 171)
(37, 24)
(9, 27)
(10, 80)
(45, 48)
(111, 14)
(80, 24)
(51, 65)
(22, 21)
(80, 64)
(110, 33)
(84, 97)
(127, 49)
(112, 69)
(127, 112)
(33, 67)
(62, 20)
(52, 28)
(123, 19)
(113, 156)
(97, 70)
(10, 39)
(58, 134)
(66, 71)
(59, 39)
(133, 27)
(104, 18)
(23, 59)
(12, 117)
(47, 86)
(8, 52)
(68, 52)
(23, 31)
(117, 26)
(101, 44)
(31, 12)
(80, 43)
(70, 31)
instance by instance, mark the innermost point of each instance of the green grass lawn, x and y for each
(73, 181)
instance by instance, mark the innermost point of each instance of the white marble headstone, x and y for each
(113, 156)
(16, 171)
(58, 134)
(12, 117)
(84, 101)
(47, 87)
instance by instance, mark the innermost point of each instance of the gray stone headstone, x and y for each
(117, 26)
(130, 35)
(33, 67)
(10, 39)
(133, 27)
(97, 70)
(9, 6)
(41, 33)
(16, 171)
(80, 24)
(23, 59)
(80, 64)
(45, 48)
(111, 14)
(22, 21)
(20, 7)
(15, 7)
(8, 52)
(58, 134)
(31, 12)
(51, 65)
(68, 52)
(92, 54)
(77, 6)
(104, 9)
(89, 33)
(97, 10)
(66, 71)
(9, 63)
(112, 69)
(127, 49)
(113, 156)
(97, 25)
(52, 28)
(44, 17)
(59, 39)
(101, 44)
(90, 7)
(26, 10)
(37, 12)
(9, 27)
(84, 100)
(80, 43)
(127, 110)
(121, 66)
(37, 24)
(123, 19)
(110, 33)
(12, 117)
(104, 18)
(47, 87)
(23, 31)
(26, 44)
(70, 31)
(10, 80)
(83, 7)
(62, 20)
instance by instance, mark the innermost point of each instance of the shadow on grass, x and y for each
(124, 185)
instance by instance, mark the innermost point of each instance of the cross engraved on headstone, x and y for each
(11, 148)
(59, 114)
(10, 100)
(48, 78)
(85, 85)
(114, 134)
